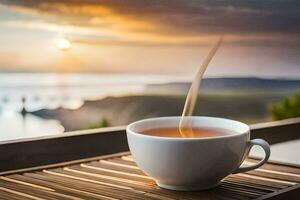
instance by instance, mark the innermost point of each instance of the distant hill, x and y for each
(250, 108)
(245, 99)
(229, 84)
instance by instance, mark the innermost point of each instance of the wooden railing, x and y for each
(277, 131)
(70, 146)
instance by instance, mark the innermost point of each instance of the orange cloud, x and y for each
(148, 22)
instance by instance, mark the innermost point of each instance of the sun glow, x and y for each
(63, 44)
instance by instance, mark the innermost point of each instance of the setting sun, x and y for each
(63, 44)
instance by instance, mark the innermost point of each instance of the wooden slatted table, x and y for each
(116, 176)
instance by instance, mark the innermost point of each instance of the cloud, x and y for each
(169, 21)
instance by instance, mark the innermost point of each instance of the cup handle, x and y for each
(266, 148)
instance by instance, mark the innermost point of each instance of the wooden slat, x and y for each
(115, 183)
(118, 177)
(23, 191)
(11, 194)
(79, 187)
(124, 168)
(61, 164)
(278, 167)
(277, 175)
(119, 160)
(254, 183)
(60, 190)
(288, 193)
(71, 190)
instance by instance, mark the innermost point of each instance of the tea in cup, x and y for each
(218, 149)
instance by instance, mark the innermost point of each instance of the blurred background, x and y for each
(73, 65)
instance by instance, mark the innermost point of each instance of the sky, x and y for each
(262, 38)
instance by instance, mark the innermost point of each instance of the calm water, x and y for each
(15, 126)
(69, 90)
(59, 90)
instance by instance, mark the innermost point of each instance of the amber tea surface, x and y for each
(196, 132)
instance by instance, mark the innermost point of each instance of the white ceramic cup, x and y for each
(187, 164)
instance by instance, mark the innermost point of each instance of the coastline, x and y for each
(126, 109)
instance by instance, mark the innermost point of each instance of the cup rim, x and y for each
(129, 129)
